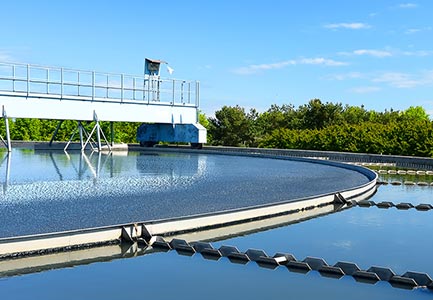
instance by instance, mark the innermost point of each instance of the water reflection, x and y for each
(7, 162)
(37, 174)
(44, 262)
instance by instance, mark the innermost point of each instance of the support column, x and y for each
(98, 135)
(8, 136)
(55, 132)
(112, 134)
(80, 132)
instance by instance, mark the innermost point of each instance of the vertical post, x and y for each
(80, 132)
(98, 135)
(197, 94)
(13, 78)
(107, 88)
(181, 91)
(8, 136)
(48, 80)
(158, 87)
(121, 87)
(149, 83)
(93, 85)
(98, 130)
(174, 86)
(61, 83)
(189, 92)
(144, 88)
(28, 79)
(55, 132)
(133, 88)
(112, 133)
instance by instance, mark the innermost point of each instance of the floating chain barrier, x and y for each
(407, 182)
(389, 204)
(372, 275)
(384, 204)
(404, 173)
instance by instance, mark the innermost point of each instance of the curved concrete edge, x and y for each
(61, 241)
(194, 223)
(35, 263)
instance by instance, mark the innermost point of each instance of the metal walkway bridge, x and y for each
(32, 91)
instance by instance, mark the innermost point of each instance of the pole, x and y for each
(112, 133)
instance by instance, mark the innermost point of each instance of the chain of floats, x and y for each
(338, 198)
(372, 275)
(389, 204)
(408, 280)
(398, 172)
(405, 172)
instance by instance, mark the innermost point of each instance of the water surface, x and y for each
(53, 191)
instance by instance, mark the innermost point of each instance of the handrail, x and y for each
(55, 82)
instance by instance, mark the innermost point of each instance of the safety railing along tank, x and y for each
(25, 80)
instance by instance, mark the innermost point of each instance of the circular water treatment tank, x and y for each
(49, 191)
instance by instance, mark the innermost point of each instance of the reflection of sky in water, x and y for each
(366, 236)
(391, 243)
(46, 191)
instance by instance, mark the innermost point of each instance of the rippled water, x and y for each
(391, 238)
(52, 191)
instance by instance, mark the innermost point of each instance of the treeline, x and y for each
(42, 130)
(313, 126)
(325, 126)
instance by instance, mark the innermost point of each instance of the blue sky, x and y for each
(251, 53)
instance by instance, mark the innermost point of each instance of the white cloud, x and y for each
(412, 31)
(369, 52)
(365, 89)
(252, 69)
(321, 61)
(345, 76)
(387, 53)
(420, 53)
(348, 26)
(256, 68)
(417, 30)
(404, 80)
(408, 5)
(375, 53)
(393, 79)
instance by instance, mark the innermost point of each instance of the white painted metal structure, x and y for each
(31, 91)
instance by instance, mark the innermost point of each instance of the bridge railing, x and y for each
(64, 83)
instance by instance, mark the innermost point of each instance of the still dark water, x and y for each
(367, 236)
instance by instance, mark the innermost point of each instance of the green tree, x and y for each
(316, 115)
(231, 126)
(414, 113)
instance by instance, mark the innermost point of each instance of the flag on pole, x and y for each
(170, 70)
